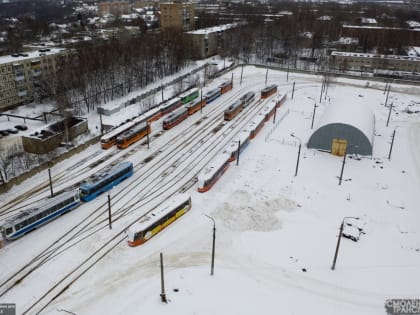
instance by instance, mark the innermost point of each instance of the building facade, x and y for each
(115, 8)
(21, 74)
(210, 41)
(344, 61)
(177, 15)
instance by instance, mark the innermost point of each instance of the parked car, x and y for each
(21, 127)
(12, 130)
(4, 133)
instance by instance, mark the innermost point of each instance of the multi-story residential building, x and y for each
(209, 41)
(177, 15)
(344, 61)
(115, 8)
(21, 74)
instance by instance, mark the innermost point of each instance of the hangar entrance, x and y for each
(338, 146)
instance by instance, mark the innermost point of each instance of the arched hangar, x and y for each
(345, 128)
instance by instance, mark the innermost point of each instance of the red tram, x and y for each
(133, 135)
(175, 118)
(268, 91)
(233, 110)
(226, 86)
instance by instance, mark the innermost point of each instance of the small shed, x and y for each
(345, 128)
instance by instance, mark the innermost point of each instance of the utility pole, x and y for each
(313, 116)
(339, 239)
(342, 167)
(266, 76)
(109, 212)
(242, 71)
(287, 76)
(161, 87)
(51, 187)
(239, 147)
(392, 144)
(148, 131)
(100, 120)
(387, 94)
(389, 114)
(293, 91)
(162, 282)
(201, 104)
(298, 157)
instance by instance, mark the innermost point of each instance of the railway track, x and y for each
(207, 141)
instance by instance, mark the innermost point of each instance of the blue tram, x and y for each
(39, 214)
(212, 95)
(247, 98)
(105, 180)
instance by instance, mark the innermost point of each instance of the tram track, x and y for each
(169, 173)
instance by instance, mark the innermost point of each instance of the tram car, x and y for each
(39, 214)
(212, 95)
(189, 95)
(247, 98)
(195, 106)
(158, 219)
(133, 135)
(226, 87)
(280, 99)
(233, 110)
(175, 118)
(268, 110)
(255, 126)
(268, 91)
(241, 141)
(170, 105)
(105, 180)
(212, 172)
(110, 138)
(152, 115)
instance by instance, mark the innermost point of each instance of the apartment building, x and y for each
(344, 61)
(210, 41)
(21, 74)
(115, 8)
(177, 15)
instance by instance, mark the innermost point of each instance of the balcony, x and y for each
(36, 72)
(22, 93)
(19, 76)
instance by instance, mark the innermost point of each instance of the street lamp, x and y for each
(300, 146)
(214, 242)
(339, 239)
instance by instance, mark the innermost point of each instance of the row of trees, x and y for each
(98, 71)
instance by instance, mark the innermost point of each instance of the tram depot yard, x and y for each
(276, 224)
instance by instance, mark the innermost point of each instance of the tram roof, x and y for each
(213, 166)
(39, 207)
(95, 178)
(159, 212)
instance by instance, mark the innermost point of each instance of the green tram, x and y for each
(189, 95)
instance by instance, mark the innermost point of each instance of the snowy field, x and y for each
(276, 233)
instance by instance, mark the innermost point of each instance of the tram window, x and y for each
(9, 231)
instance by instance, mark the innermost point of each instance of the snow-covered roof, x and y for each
(362, 55)
(325, 18)
(352, 121)
(214, 29)
(369, 21)
(413, 24)
(30, 55)
(348, 41)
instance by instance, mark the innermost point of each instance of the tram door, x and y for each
(338, 146)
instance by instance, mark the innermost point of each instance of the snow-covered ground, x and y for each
(275, 233)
